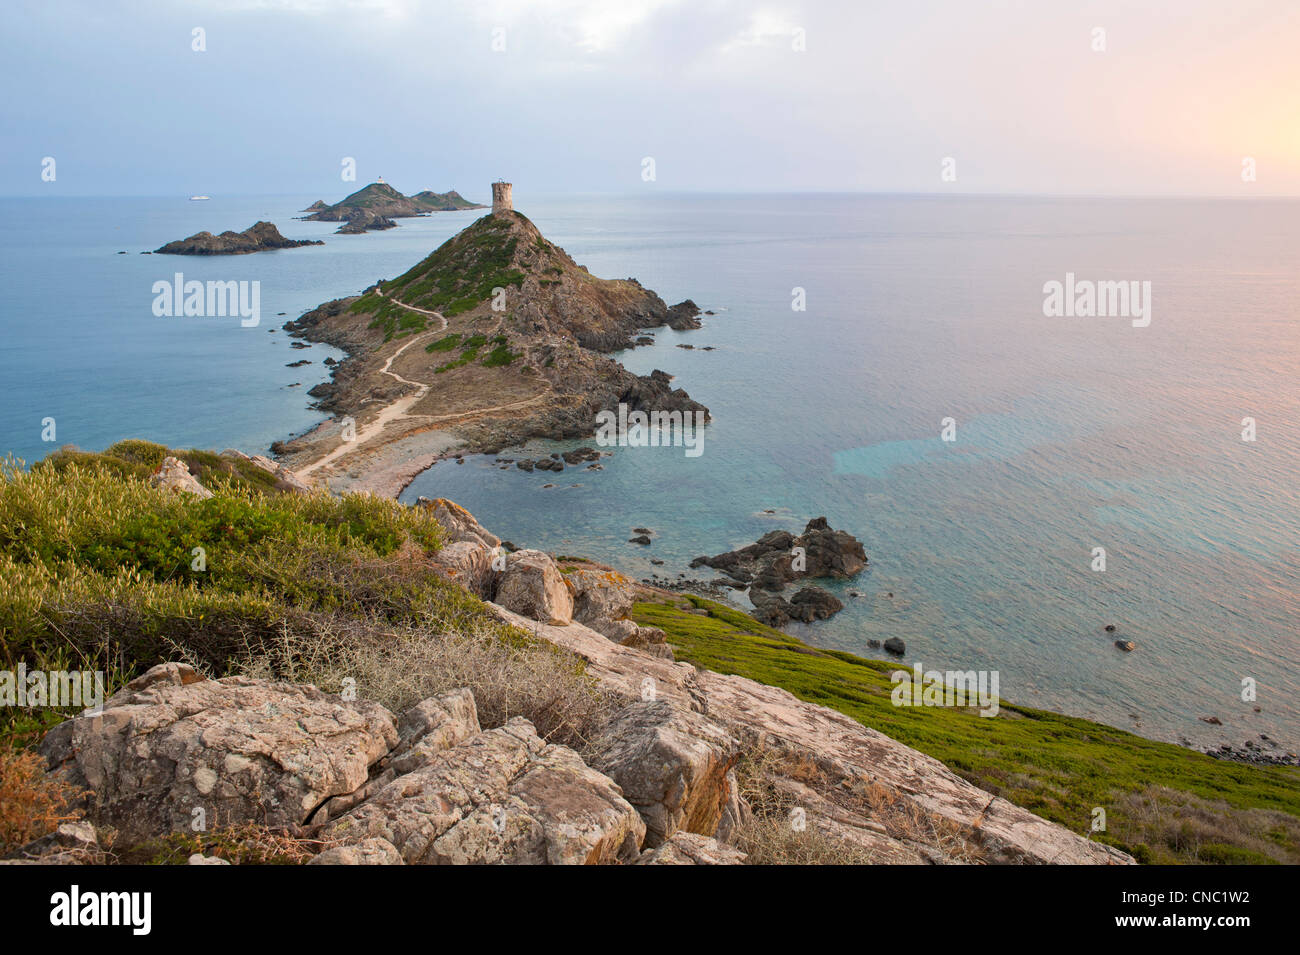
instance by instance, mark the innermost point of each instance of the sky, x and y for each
(1134, 97)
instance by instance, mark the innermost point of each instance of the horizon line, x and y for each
(547, 194)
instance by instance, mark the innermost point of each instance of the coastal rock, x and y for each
(174, 475)
(470, 550)
(533, 586)
(814, 603)
(809, 604)
(683, 316)
(600, 597)
(1126, 645)
(769, 563)
(688, 848)
(286, 480)
(579, 455)
(896, 646)
(847, 756)
(240, 749)
(364, 220)
(458, 523)
(649, 640)
(259, 237)
(434, 725)
(379, 202)
(366, 852)
(469, 565)
(671, 764)
(503, 796)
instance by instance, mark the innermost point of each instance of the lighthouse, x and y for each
(502, 204)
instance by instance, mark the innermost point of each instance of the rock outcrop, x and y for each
(687, 848)
(428, 787)
(896, 803)
(259, 237)
(778, 558)
(532, 585)
(365, 221)
(807, 605)
(171, 743)
(366, 852)
(672, 764)
(286, 480)
(504, 796)
(174, 475)
(770, 564)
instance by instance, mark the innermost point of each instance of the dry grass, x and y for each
(247, 843)
(1189, 829)
(31, 803)
(770, 839)
(508, 673)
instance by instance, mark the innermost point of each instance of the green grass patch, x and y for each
(1057, 766)
(446, 343)
(462, 272)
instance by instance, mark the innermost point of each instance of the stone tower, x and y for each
(501, 201)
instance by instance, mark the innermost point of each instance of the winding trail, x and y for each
(401, 407)
(412, 308)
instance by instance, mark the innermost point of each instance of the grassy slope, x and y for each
(96, 570)
(99, 571)
(1164, 803)
(457, 276)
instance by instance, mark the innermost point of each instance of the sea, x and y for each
(1020, 478)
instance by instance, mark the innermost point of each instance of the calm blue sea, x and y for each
(1071, 434)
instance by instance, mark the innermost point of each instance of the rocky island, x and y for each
(259, 237)
(779, 558)
(496, 337)
(375, 207)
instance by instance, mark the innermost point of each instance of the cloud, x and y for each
(765, 27)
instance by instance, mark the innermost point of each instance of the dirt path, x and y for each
(400, 409)
(412, 308)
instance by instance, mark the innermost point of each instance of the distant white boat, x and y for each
(199, 198)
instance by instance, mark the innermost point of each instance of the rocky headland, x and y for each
(496, 337)
(259, 237)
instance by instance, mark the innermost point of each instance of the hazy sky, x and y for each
(716, 91)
